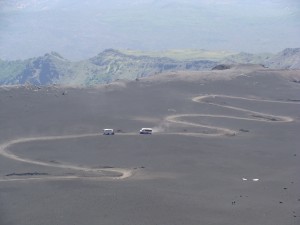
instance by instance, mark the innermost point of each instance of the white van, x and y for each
(108, 132)
(146, 131)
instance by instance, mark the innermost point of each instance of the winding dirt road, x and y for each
(122, 173)
(251, 115)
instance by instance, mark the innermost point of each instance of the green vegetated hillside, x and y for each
(106, 67)
(111, 65)
(10, 68)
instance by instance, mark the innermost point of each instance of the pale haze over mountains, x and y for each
(81, 29)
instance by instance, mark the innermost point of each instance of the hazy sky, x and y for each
(80, 29)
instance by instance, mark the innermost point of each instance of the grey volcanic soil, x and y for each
(178, 179)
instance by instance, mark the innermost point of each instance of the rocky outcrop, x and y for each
(221, 67)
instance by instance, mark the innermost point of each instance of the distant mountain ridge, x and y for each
(247, 58)
(112, 64)
(106, 67)
(287, 59)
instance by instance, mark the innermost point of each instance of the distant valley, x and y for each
(111, 65)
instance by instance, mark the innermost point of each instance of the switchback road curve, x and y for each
(250, 115)
(123, 173)
(120, 173)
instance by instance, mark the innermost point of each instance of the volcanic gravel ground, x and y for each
(229, 167)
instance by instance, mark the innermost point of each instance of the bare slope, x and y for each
(56, 167)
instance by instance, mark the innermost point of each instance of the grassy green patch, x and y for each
(182, 54)
(10, 69)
